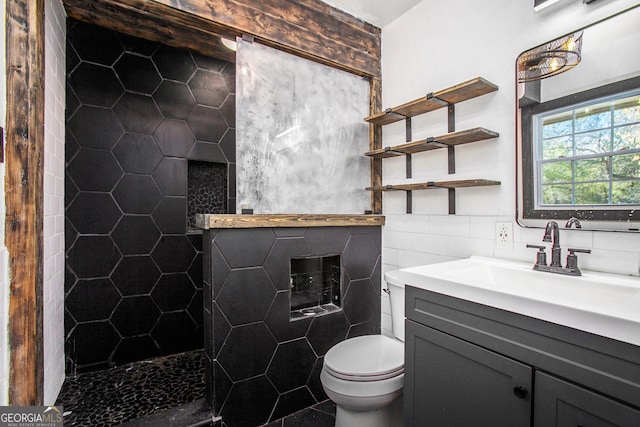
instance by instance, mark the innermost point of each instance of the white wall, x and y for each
(436, 45)
(4, 262)
(54, 124)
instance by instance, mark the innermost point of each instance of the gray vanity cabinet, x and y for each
(453, 382)
(560, 403)
(470, 364)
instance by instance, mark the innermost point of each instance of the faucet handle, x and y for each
(572, 259)
(541, 255)
(584, 251)
(541, 247)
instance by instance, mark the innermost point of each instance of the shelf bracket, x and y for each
(431, 141)
(452, 201)
(451, 110)
(389, 111)
(452, 196)
(451, 153)
(433, 98)
(390, 150)
(451, 159)
(409, 201)
(408, 137)
(451, 117)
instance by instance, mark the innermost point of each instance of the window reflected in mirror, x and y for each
(578, 147)
(589, 154)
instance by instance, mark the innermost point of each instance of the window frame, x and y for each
(529, 113)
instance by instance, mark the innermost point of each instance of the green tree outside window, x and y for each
(590, 155)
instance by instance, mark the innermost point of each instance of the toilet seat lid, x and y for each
(366, 358)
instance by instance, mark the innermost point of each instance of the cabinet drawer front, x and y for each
(560, 403)
(450, 382)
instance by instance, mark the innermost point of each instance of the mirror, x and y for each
(578, 130)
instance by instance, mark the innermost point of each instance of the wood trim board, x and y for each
(24, 197)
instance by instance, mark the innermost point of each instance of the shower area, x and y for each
(150, 143)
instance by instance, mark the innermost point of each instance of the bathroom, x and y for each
(411, 44)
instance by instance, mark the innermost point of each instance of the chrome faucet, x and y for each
(552, 234)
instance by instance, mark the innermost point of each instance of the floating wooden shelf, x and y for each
(431, 185)
(433, 101)
(443, 141)
(438, 184)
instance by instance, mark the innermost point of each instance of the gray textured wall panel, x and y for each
(300, 135)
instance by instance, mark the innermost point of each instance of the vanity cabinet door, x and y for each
(450, 382)
(563, 404)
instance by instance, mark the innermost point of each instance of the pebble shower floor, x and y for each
(127, 392)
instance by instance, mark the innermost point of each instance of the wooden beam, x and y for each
(164, 25)
(209, 221)
(307, 28)
(375, 143)
(24, 197)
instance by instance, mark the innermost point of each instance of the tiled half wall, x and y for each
(141, 119)
(261, 366)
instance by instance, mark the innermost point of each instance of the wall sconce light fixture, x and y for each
(550, 59)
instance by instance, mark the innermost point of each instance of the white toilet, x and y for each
(364, 376)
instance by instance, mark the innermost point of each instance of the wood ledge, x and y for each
(209, 221)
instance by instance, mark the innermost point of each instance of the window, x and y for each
(589, 154)
(581, 155)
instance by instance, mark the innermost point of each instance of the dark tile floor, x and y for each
(321, 415)
(146, 391)
(123, 393)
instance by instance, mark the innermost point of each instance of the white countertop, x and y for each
(599, 303)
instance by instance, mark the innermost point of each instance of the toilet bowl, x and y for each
(364, 375)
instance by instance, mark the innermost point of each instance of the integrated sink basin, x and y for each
(603, 304)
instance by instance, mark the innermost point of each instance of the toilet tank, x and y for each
(396, 298)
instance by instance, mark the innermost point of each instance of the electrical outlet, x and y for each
(504, 235)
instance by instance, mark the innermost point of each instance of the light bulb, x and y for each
(553, 64)
(571, 44)
(229, 44)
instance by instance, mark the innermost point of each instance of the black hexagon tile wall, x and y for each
(141, 119)
(260, 365)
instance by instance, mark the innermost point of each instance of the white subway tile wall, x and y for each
(611, 252)
(54, 123)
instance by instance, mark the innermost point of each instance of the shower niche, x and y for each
(206, 190)
(315, 286)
